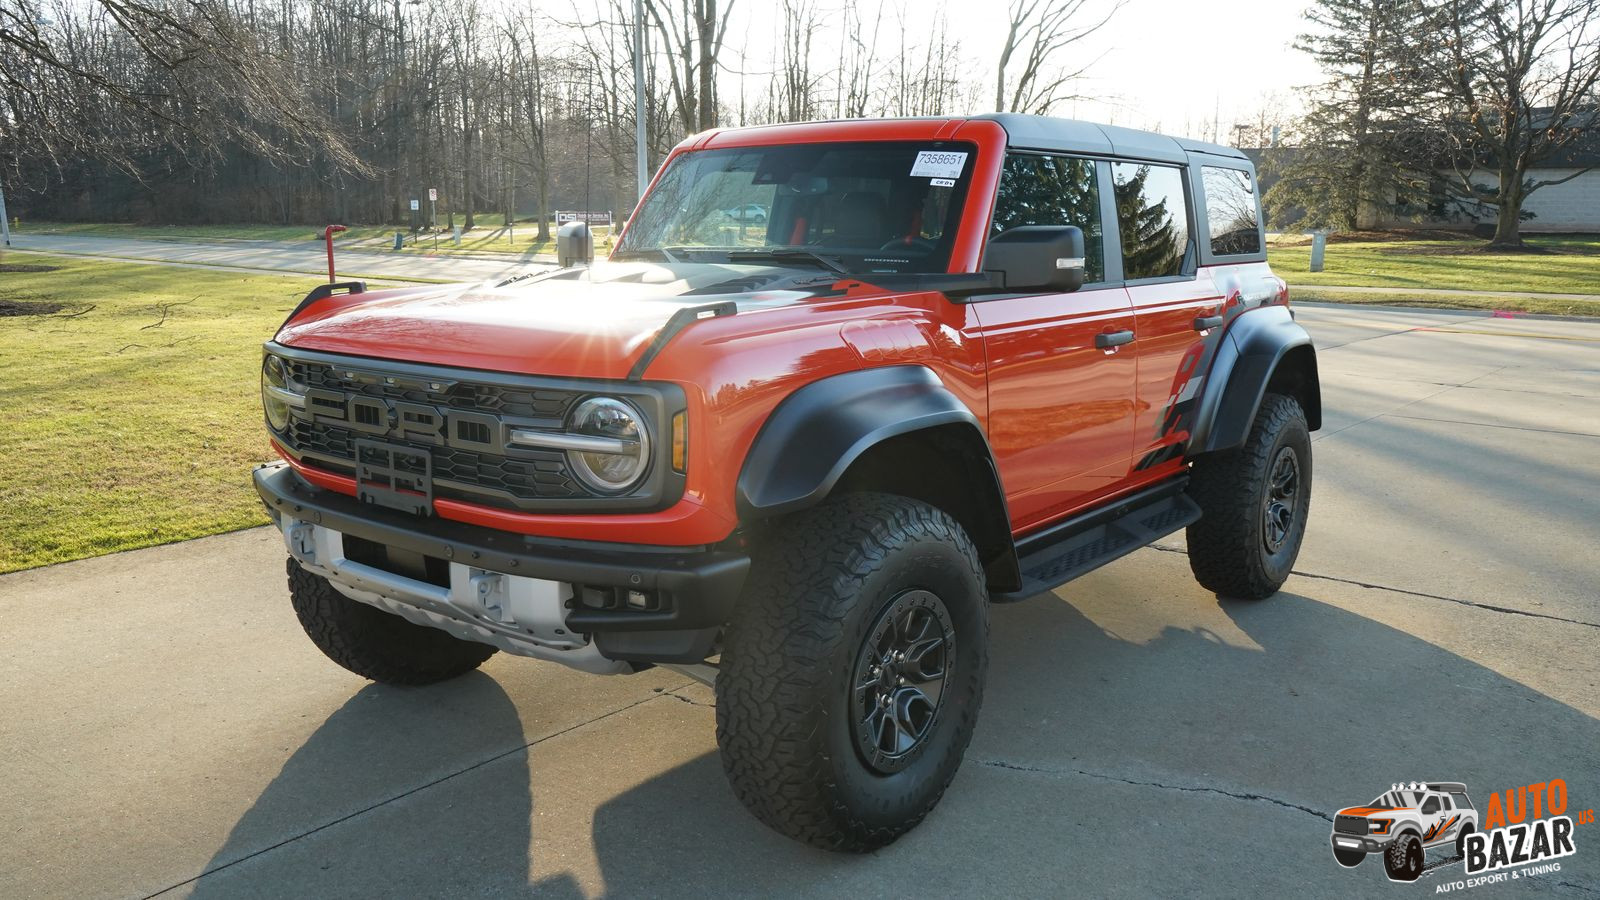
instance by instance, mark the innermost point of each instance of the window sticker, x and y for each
(938, 164)
(942, 182)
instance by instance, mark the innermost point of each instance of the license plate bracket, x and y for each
(394, 476)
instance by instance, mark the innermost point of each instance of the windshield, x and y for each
(847, 207)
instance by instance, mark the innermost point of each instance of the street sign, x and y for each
(433, 194)
(591, 218)
(415, 205)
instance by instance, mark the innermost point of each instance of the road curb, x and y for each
(1444, 311)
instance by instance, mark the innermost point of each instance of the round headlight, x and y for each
(277, 410)
(622, 455)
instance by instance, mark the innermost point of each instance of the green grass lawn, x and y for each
(142, 404)
(1568, 265)
(489, 235)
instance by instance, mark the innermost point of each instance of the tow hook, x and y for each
(302, 542)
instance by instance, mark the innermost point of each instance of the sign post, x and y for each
(1319, 245)
(433, 215)
(415, 205)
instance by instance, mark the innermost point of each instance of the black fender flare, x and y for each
(1252, 350)
(814, 435)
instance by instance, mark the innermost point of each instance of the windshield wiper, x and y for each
(664, 253)
(786, 255)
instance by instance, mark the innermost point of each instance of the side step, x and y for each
(1084, 543)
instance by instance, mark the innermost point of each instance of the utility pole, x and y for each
(641, 152)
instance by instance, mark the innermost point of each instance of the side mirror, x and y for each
(1037, 258)
(574, 245)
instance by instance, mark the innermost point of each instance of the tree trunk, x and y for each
(707, 15)
(543, 182)
(1508, 211)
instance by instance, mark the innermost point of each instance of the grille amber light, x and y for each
(680, 443)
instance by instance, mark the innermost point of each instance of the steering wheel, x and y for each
(902, 244)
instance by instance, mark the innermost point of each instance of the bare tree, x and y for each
(1038, 32)
(1519, 82)
(692, 34)
(856, 73)
(530, 96)
(796, 85)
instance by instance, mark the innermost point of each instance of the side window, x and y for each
(1231, 210)
(1461, 801)
(1431, 806)
(1153, 219)
(1053, 190)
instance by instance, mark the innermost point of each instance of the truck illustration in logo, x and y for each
(1404, 824)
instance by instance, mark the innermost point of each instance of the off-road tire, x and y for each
(819, 583)
(1348, 858)
(1228, 550)
(1461, 839)
(375, 644)
(1403, 859)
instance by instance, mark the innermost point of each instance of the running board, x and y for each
(1084, 543)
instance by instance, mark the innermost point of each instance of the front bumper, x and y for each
(1360, 842)
(518, 592)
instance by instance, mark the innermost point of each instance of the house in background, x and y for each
(1572, 206)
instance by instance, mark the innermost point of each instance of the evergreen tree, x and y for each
(1361, 150)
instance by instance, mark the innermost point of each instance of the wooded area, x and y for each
(308, 111)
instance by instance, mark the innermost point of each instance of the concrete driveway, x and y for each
(167, 730)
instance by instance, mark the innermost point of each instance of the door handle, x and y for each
(1109, 339)
(1207, 322)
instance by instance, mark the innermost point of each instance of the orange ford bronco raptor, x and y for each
(951, 362)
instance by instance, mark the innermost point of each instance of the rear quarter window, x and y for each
(1153, 218)
(1231, 211)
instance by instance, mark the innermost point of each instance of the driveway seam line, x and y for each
(1493, 425)
(1447, 389)
(404, 794)
(1394, 590)
(1042, 770)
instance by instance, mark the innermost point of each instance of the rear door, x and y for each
(1173, 302)
(1060, 407)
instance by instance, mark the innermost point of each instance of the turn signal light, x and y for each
(680, 443)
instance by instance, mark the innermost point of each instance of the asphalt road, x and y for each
(280, 256)
(167, 730)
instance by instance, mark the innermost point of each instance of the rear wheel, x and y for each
(1254, 502)
(853, 671)
(1461, 840)
(375, 644)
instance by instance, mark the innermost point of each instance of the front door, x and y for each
(1061, 396)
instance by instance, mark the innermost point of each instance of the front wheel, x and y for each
(1253, 505)
(1403, 860)
(853, 671)
(375, 644)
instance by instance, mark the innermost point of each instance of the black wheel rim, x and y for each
(897, 684)
(1282, 498)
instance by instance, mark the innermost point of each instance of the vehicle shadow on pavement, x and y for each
(347, 770)
(1150, 745)
(1136, 739)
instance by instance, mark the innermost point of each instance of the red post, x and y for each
(327, 235)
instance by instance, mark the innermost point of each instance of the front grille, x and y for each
(1350, 824)
(509, 480)
(493, 399)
